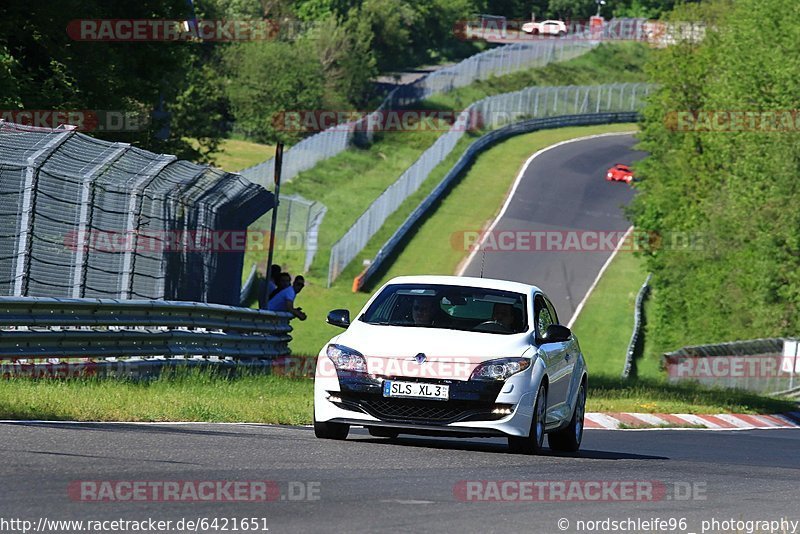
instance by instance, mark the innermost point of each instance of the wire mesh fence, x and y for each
(298, 225)
(83, 217)
(494, 112)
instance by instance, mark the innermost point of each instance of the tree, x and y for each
(392, 23)
(43, 69)
(268, 79)
(728, 184)
(343, 49)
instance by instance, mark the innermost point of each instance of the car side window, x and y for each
(553, 314)
(543, 318)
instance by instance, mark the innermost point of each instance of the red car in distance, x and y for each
(620, 173)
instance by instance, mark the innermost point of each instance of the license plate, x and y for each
(419, 390)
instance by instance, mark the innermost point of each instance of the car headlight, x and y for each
(500, 369)
(347, 359)
(609, 175)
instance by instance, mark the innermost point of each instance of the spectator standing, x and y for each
(284, 299)
(284, 281)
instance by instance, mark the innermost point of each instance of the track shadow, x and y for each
(496, 447)
(103, 457)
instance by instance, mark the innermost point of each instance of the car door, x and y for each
(570, 356)
(554, 356)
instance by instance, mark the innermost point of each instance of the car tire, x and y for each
(534, 441)
(569, 439)
(383, 432)
(331, 430)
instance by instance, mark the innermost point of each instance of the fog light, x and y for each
(334, 398)
(502, 409)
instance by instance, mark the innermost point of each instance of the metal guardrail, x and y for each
(89, 328)
(763, 365)
(466, 158)
(638, 313)
(732, 348)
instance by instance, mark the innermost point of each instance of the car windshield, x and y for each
(449, 307)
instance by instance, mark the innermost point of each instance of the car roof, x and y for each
(469, 281)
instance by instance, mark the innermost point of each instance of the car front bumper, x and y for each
(358, 399)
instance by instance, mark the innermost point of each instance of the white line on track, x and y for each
(597, 278)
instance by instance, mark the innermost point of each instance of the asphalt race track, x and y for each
(673, 480)
(369, 484)
(562, 190)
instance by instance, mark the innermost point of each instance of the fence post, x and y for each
(27, 207)
(133, 216)
(87, 186)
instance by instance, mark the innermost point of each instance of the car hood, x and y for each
(391, 350)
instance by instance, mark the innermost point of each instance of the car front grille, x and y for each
(420, 411)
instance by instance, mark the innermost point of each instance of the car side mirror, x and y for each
(339, 318)
(556, 333)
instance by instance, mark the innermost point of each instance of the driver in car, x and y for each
(422, 311)
(504, 314)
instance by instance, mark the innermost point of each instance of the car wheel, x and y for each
(532, 444)
(383, 432)
(569, 439)
(331, 430)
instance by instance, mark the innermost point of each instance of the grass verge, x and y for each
(234, 155)
(646, 395)
(605, 324)
(195, 396)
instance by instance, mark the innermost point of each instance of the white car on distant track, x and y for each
(447, 355)
(545, 27)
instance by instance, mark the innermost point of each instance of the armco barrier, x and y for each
(105, 328)
(763, 365)
(638, 312)
(470, 153)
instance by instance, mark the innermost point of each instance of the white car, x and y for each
(545, 27)
(458, 356)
